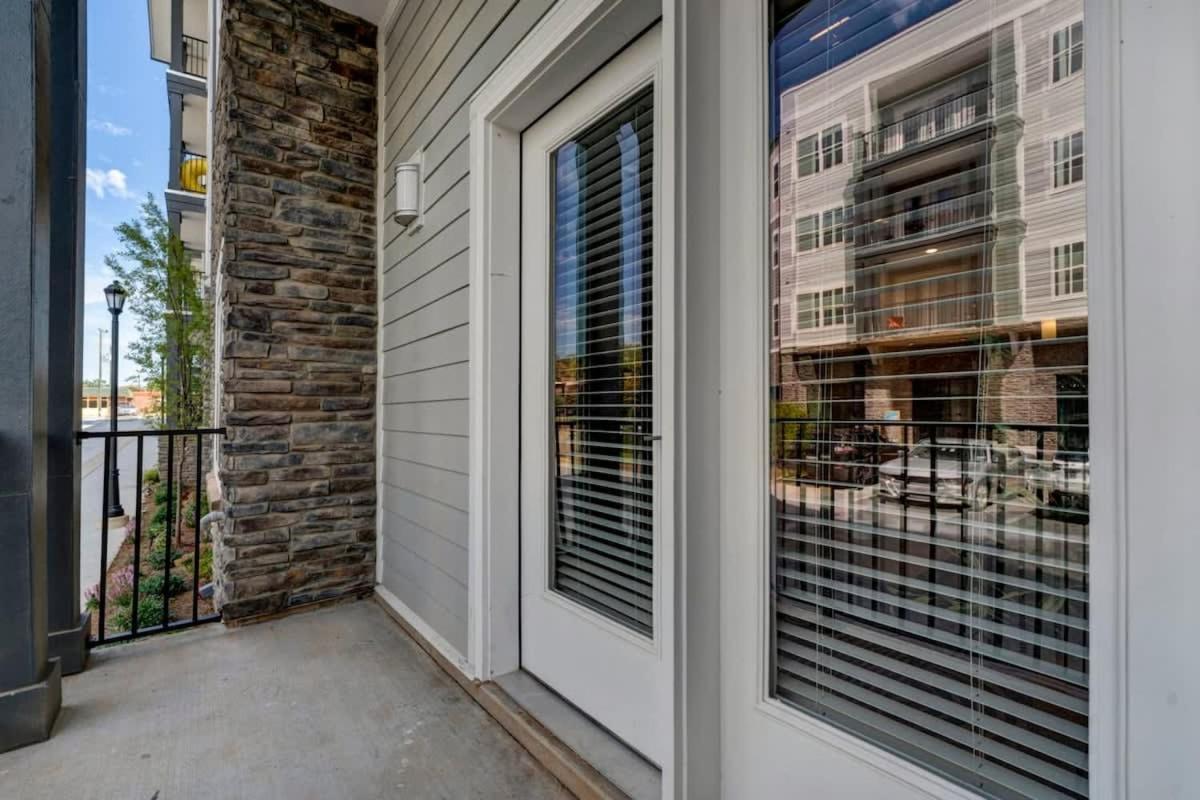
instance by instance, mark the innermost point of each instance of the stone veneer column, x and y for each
(293, 200)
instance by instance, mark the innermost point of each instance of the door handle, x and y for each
(651, 437)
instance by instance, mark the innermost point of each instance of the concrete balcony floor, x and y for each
(336, 703)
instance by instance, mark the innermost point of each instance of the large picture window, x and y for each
(928, 439)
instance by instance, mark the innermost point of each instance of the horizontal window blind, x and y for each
(929, 467)
(603, 544)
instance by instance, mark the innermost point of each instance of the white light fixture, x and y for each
(410, 211)
(931, 250)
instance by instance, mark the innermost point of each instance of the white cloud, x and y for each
(111, 128)
(95, 279)
(108, 182)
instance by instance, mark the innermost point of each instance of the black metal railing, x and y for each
(195, 56)
(132, 595)
(973, 465)
(928, 125)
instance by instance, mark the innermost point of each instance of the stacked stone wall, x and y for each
(293, 185)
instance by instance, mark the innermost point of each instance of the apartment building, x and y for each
(932, 195)
(179, 37)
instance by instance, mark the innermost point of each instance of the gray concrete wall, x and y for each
(436, 55)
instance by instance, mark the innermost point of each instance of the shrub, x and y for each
(160, 515)
(152, 586)
(157, 557)
(151, 476)
(206, 558)
(160, 494)
(189, 510)
(156, 530)
(150, 613)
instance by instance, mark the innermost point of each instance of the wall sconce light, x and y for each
(410, 210)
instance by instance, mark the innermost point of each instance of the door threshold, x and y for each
(620, 764)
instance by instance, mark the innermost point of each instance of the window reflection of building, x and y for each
(940, 196)
(930, 419)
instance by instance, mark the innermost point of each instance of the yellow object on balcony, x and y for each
(193, 174)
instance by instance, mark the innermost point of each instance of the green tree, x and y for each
(173, 319)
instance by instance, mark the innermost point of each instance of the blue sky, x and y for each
(126, 152)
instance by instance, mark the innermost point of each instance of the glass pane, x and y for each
(603, 544)
(806, 155)
(929, 467)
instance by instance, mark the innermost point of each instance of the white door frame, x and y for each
(832, 759)
(570, 42)
(615, 674)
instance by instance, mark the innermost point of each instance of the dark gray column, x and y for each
(30, 683)
(177, 35)
(175, 155)
(68, 626)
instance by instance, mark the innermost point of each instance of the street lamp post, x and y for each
(114, 293)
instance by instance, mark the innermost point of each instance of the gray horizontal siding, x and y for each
(437, 54)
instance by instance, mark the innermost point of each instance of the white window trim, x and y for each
(820, 229)
(819, 307)
(1067, 242)
(1053, 138)
(847, 154)
(743, 468)
(1067, 25)
(796, 251)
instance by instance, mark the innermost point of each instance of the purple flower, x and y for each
(121, 582)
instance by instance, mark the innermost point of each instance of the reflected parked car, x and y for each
(126, 410)
(856, 454)
(970, 472)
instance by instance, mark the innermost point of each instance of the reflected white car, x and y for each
(971, 472)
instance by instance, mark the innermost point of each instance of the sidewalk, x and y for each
(91, 503)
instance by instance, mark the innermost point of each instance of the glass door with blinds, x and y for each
(592, 424)
(926, 455)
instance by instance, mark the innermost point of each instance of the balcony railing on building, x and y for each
(942, 120)
(897, 315)
(195, 56)
(941, 217)
(193, 172)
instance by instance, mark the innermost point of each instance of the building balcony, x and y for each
(338, 702)
(922, 316)
(952, 217)
(193, 58)
(179, 31)
(961, 115)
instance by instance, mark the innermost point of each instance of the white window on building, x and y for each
(1068, 160)
(1067, 55)
(1070, 269)
(837, 306)
(817, 152)
(806, 310)
(808, 233)
(808, 159)
(831, 147)
(825, 308)
(833, 226)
